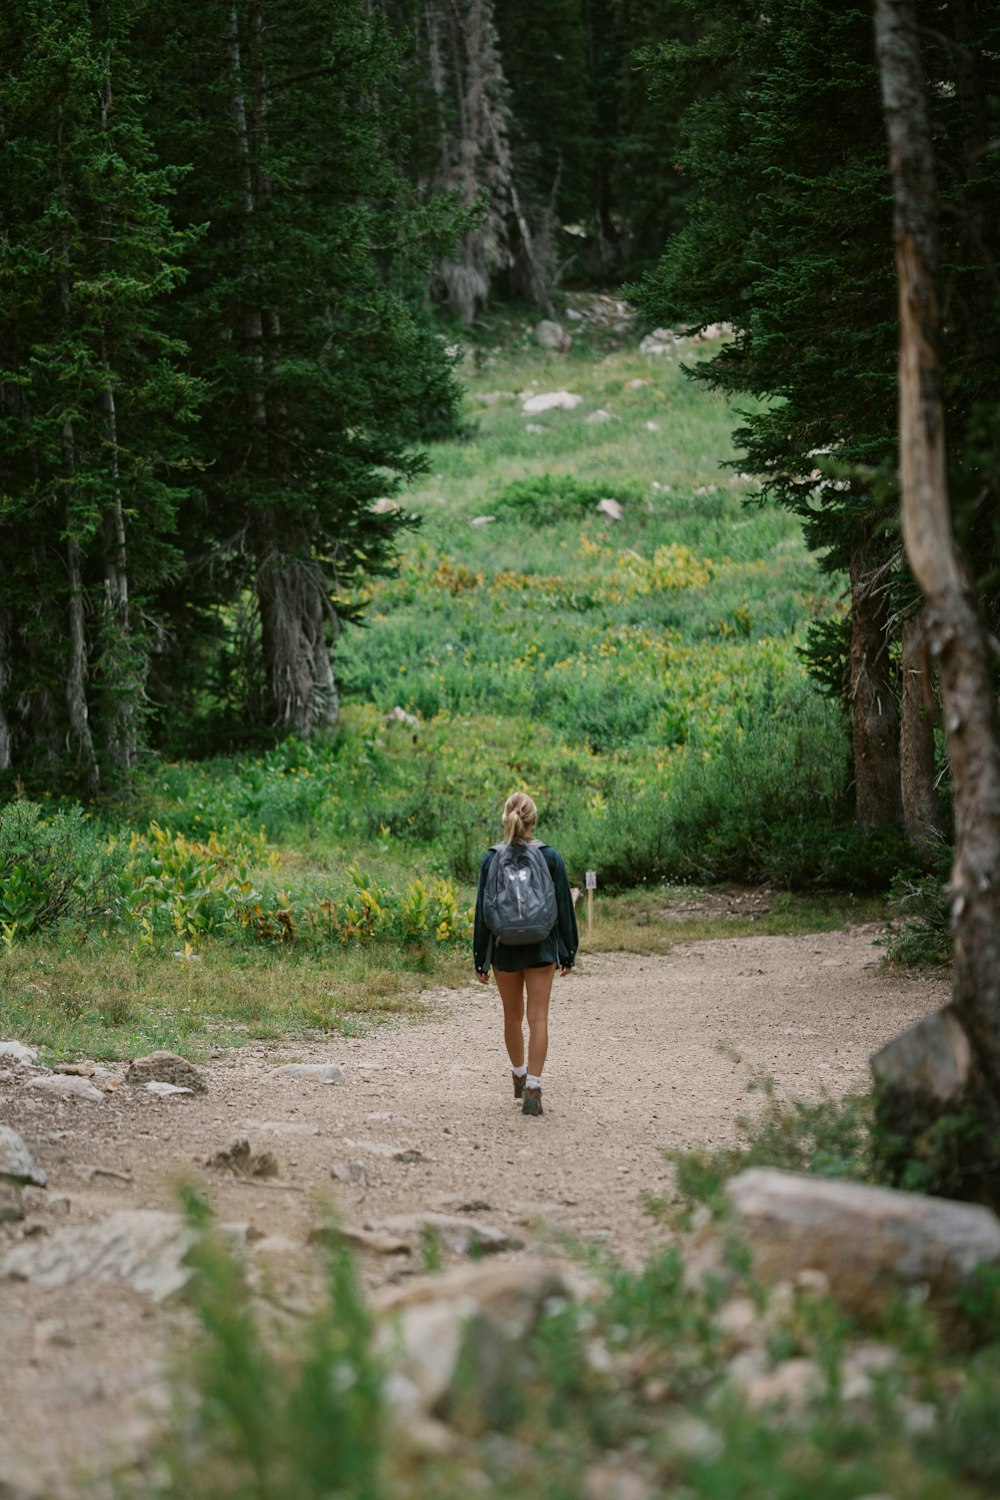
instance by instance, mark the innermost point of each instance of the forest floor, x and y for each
(647, 1054)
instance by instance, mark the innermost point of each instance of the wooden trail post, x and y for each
(591, 883)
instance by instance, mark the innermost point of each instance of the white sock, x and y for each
(520, 1072)
(531, 1082)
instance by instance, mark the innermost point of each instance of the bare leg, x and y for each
(511, 987)
(538, 983)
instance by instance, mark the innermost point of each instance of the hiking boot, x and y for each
(518, 1084)
(532, 1102)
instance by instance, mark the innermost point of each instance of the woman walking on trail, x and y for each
(526, 928)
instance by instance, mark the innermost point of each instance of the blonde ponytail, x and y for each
(519, 818)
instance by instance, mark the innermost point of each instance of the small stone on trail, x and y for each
(68, 1087)
(367, 1239)
(163, 1089)
(460, 1236)
(353, 1172)
(240, 1160)
(18, 1051)
(318, 1072)
(167, 1067)
(17, 1164)
(410, 1154)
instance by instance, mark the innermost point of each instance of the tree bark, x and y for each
(5, 745)
(873, 697)
(922, 817)
(294, 616)
(80, 738)
(957, 639)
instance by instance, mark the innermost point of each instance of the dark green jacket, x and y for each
(558, 948)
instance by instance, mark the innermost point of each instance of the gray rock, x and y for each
(553, 336)
(867, 1240)
(598, 417)
(18, 1052)
(167, 1067)
(483, 1312)
(399, 715)
(67, 1086)
(141, 1247)
(933, 1057)
(460, 1236)
(166, 1089)
(372, 1239)
(482, 520)
(551, 401)
(17, 1164)
(610, 508)
(316, 1072)
(350, 1171)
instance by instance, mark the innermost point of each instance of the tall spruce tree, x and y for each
(299, 313)
(790, 241)
(91, 396)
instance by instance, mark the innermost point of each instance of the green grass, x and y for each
(642, 679)
(106, 999)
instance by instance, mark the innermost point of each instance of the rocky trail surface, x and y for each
(412, 1135)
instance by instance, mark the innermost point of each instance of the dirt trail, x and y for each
(645, 1053)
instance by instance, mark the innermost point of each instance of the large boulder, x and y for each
(142, 1247)
(869, 1241)
(459, 1337)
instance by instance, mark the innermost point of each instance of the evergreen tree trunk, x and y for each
(873, 698)
(5, 745)
(957, 638)
(123, 666)
(921, 804)
(81, 740)
(293, 616)
(290, 591)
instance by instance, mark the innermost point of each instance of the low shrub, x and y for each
(547, 498)
(919, 928)
(768, 801)
(54, 866)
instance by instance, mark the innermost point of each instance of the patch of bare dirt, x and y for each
(645, 1054)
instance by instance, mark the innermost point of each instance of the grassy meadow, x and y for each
(639, 673)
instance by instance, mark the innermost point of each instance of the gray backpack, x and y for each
(519, 900)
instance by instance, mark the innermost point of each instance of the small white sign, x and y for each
(591, 879)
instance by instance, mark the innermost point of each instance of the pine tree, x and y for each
(91, 397)
(790, 240)
(299, 315)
